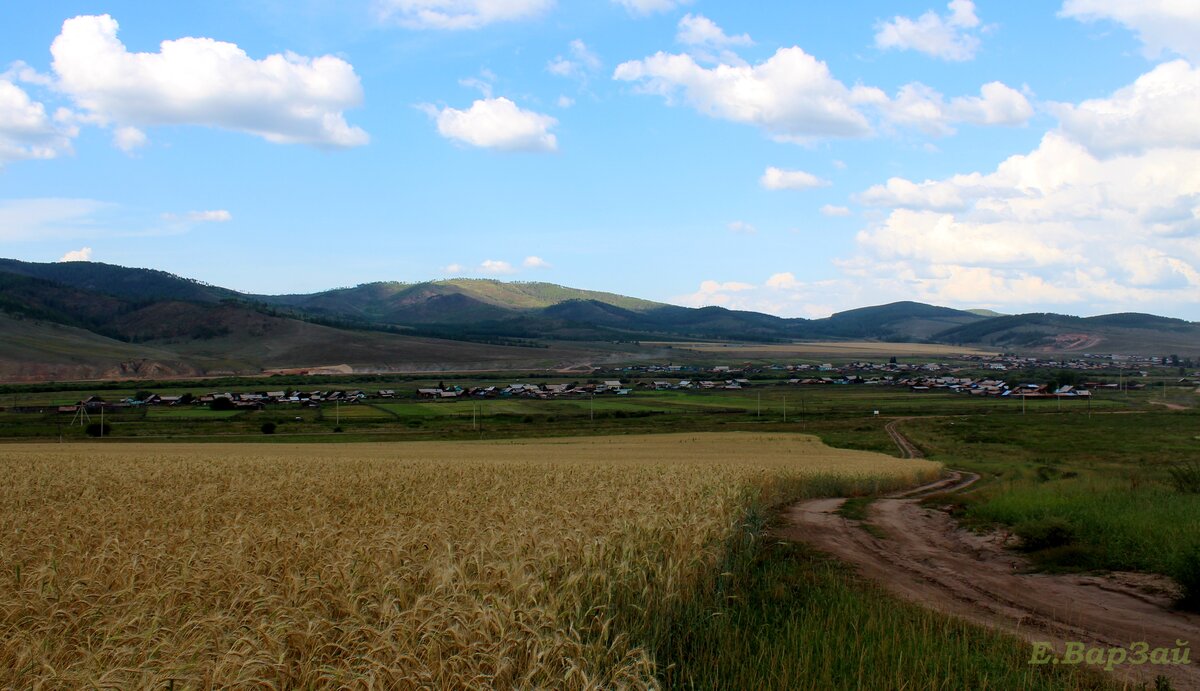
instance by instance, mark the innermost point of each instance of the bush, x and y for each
(1188, 576)
(98, 430)
(222, 404)
(1044, 533)
(268, 428)
(1185, 477)
(337, 430)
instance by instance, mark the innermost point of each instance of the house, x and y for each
(429, 393)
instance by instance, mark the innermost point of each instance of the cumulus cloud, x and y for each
(453, 269)
(715, 293)
(497, 123)
(535, 262)
(645, 7)
(794, 97)
(26, 131)
(1058, 225)
(741, 228)
(83, 254)
(778, 179)
(496, 267)
(698, 30)
(458, 14)
(948, 37)
(288, 98)
(922, 107)
(1161, 25)
(832, 210)
(1157, 110)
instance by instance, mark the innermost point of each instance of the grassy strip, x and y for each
(787, 617)
(1083, 494)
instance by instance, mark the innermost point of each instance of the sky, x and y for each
(795, 158)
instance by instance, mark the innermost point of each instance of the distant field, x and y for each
(546, 563)
(834, 349)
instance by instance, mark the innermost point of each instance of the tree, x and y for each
(98, 430)
(222, 404)
(268, 428)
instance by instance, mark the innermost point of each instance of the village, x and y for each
(917, 379)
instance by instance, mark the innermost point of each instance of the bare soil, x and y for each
(925, 557)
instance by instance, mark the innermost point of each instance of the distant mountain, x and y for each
(110, 320)
(986, 312)
(119, 281)
(1109, 333)
(911, 321)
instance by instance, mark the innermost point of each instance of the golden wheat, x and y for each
(438, 564)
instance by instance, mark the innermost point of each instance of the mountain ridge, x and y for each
(197, 327)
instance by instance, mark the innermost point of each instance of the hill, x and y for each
(84, 319)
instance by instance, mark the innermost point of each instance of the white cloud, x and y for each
(949, 37)
(1158, 110)
(778, 179)
(459, 14)
(698, 30)
(26, 131)
(741, 228)
(217, 216)
(645, 7)
(565, 101)
(129, 138)
(214, 216)
(535, 262)
(1161, 25)
(832, 210)
(917, 105)
(497, 123)
(453, 269)
(581, 62)
(496, 267)
(715, 293)
(20, 71)
(793, 97)
(284, 98)
(1055, 226)
(783, 281)
(83, 254)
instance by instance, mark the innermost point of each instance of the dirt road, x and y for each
(926, 558)
(907, 448)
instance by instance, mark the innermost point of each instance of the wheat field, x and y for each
(539, 563)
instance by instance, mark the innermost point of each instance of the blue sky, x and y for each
(794, 158)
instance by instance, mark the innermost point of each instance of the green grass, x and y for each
(156, 413)
(787, 617)
(1105, 480)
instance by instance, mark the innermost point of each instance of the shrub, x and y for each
(98, 430)
(222, 404)
(268, 428)
(1185, 477)
(1044, 533)
(338, 430)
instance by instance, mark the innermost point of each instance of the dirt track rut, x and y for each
(926, 558)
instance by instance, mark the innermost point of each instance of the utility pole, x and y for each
(785, 407)
(592, 408)
(101, 420)
(1022, 402)
(760, 405)
(337, 413)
